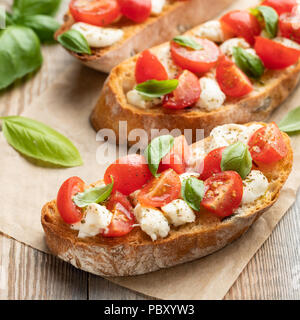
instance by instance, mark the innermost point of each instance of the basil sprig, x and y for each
(73, 40)
(38, 141)
(33, 7)
(192, 191)
(188, 42)
(248, 62)
(291, 122)
(156, 150)
(270, 17)
(237, 157)
(154, 88)
(93, 195)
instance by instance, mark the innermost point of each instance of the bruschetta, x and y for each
(236, 69)
(129, 27)
(186, 203)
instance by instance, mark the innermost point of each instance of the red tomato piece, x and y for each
(136, 10)
(224, 192)
(123, 217)
(161, 191)
(241, 24)
(186, 94)
(148, 67)
(177, 158)
(275, 55)
(281, 6)
(289, 25)
(96, 12)
(197, 61)
(231, 79)
(267, 145)
(212, 163)
(130, 173)
(67, 209)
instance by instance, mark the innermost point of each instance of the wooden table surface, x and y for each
(25, 273)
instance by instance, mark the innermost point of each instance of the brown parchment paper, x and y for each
(24, 189)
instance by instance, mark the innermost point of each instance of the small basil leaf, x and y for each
(188, 42)
(73, 40)
(93, 195)
(155, 89)
(291, 122)
(270, 17)
(192, 191)
(44, 26)
(156, 150)
(248, 62)
(32, 7)
(237, 157)
(38, 141)
(20, 54)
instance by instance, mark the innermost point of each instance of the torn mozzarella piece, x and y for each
(254, 186)
(178, 212)
(211, 97)
(287, 42)
(98, 37)
(164, 56)
(211, 30)
(97, 218)
(152, 222)
(187, 175)
(228, 45)
(157, 6)
(137, 100)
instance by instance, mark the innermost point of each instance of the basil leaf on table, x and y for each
(155, 88)
(156, 150)
(38, 141)
(188, 42)
(248, 62)
(237, 157)
(20, 54)
(291, 122)
(93, 195)
(270, 17)
(44, 26)
(73, 40)
(33, 7)
(192, 191)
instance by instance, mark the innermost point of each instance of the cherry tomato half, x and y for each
(197, 61)
(275, 55)
(186, 94)
(281, 6)
(130, 173)
(67, 209)
(123, 217)
(231, 79)
(241, 24)
(224, 192)
(136, 10)
(267, 145)
(148, 67)
(161, 191)
(289, 25)
(212, 163)
(96, 12)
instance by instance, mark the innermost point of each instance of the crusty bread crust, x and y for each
(136, 254)
(155, 30)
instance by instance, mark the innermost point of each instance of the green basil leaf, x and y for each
(156, 150)
(248, 62)
(188, 42)
(20, 54)
(8, 19)
(44, 26)
(93, 195)
(237, 157)
(38, 141)
(155, 89)
(33, 7)
(291, 122)
(73, 40)
(192, 191)
(270, 17)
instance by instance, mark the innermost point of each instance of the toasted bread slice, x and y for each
(135, 253)
(155, 30)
